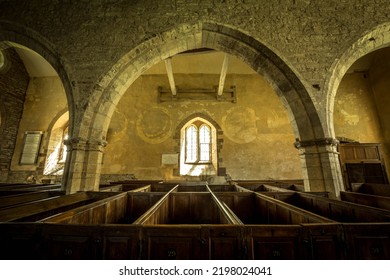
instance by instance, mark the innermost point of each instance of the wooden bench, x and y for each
(45, 208)
(376, 201)
(107, 210)
(256, 208)
(18, 199)
(25, 188)
(340, 211)
(370, 188)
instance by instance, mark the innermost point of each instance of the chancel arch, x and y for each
(315, 151)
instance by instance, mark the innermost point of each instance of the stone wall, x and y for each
(13, 84)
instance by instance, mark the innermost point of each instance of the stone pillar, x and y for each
(83, 165)
(320, 162)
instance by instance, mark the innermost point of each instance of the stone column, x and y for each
(320, 162)
(83, 164)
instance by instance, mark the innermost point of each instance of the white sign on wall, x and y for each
(32, 143)
(170, 159)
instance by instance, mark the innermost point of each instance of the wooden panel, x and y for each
(323, 242)
(121, 242)
(73, 242)
(193, 208)
(243, 205)
(366, 199)
(275, 242)
(226, 243)
(368, 241)
(20, 241)
(174, 242)
(340, 211)
(14, 200)
(139, 203)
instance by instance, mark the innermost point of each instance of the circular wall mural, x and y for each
(239, 124)
(154, 125)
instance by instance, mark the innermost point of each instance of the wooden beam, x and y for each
(168, 66)
(223, 74)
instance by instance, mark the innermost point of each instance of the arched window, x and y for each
(63, 150)
(198, 154)
(198, 141)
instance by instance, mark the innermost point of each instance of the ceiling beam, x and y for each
(168, 66)
(223, 74)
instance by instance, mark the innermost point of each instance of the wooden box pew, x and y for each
(274, 242)
(158, 213)
(193, 242)
(23, 198)
(181, 242)
(138, 203)
(256, 208)
(108, 210)
(340, 211)
(110, 188)
(376, 201)
(122, 208)
(44, 208)
(273, 211)
(251, 188)
(322, 241)
(20, 241)
(370, 188)
(223, 188)
(10, 190)
(192, 188)
(365, 241)
(188, 208)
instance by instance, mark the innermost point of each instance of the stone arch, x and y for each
(111, 87)
(15, 33)
(375, 39)
(108, 91)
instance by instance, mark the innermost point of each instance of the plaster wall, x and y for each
(257, 139)
(355, 111)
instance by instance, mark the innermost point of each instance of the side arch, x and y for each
(15, 33)
(375, 39)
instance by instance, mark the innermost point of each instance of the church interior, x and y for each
(222, 129)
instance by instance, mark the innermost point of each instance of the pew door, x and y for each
(362, 163)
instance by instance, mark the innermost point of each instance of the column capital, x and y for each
(327, 141)
(78, 143)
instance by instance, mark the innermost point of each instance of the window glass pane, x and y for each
(205, 152)
(204, 145)
(191, 144)
(204, 134)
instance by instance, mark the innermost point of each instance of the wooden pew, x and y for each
(367, 241)
(110, 188)
(274, 242)
(45, 208)
(373, 189)
(340, 211)
(108, 210)
(158, 213)
(376, 201)
(23, 198)
(25, 188)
